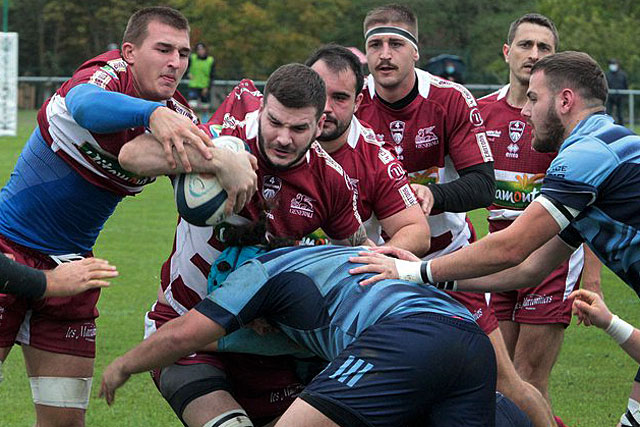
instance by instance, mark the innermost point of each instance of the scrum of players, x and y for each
(394, 159)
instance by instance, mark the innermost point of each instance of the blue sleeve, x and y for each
(103, 111)
(574, 176)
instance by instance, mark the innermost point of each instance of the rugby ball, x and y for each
(199, 197)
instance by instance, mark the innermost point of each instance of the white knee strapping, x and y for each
(61, 392)
(233, 418)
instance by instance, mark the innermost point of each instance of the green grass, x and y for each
(590, 382)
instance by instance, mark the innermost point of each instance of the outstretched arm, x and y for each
(177, 338)
(591, 310)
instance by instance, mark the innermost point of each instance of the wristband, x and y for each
(409, 271)
(619, 330)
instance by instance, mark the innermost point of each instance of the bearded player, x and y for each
(440, 138)
(301, 189)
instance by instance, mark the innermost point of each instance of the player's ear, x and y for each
(566, 100)
(505, 52)
(127, 52)
(320, 124)
(358, 101)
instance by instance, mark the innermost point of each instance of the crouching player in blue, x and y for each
(399, 354)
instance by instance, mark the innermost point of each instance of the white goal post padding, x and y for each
(8, 84)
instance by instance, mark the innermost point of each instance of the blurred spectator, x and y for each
(616, 79)
(450, 67)
(201, 73)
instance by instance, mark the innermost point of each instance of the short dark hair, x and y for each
(138, 24)
(392, 13)
(575, 70)
(297, 86)
(537, 19)
(339, 58)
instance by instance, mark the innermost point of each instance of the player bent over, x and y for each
(446, 376)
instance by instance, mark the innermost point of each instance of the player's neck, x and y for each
(517, 95)
(400, 103)
(399, 92)
(335, 144)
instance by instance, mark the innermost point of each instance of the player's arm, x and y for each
(408, 229)
(177, 338)
(67, 279)
(591, 271)
(235, 171)
(475, 188)
(496, 252)
(104, 111)
(591, 310)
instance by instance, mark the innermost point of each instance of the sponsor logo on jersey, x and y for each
(271, 185)
(86, 332)
(483, 144)
(475, 117)
(385, 156)
(352, 184)
(531, 300)
(242, 89)
(494, 133)
(397, 131)
(477, 314)
(424, 177)
(119, 65)
(426, 138)
(520, 193)
(181, 109)
(328, 159)
(395, 171)
(516, 129)
(110, 165)
(302, 205)
(407, 195)
(100, 78)
(107, 69)
(370, 136)
(230, 122)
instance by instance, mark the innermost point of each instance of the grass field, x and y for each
(590, 382)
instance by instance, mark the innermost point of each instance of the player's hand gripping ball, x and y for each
(199, 197)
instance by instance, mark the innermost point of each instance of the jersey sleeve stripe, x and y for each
(563, 215)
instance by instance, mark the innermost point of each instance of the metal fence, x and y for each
(33, 91)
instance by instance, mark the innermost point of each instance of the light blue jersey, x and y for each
(595, 183)
(310, 295)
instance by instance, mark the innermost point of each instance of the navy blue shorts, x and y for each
(424, 369)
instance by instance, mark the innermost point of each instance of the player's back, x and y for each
(309, 293)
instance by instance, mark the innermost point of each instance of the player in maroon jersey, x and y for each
(66, 184)
(532, 320)
(440, 138)
(385, 199)
(302, 188)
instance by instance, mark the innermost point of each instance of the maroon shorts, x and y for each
(63, 325)
(265, 386)
(546, 303)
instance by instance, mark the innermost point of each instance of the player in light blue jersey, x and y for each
(591, 193)
(399, 353)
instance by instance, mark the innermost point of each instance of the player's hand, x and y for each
(377, 262)
(113, 378)
(236, 174)
(72, 278)
(425, 197)
(590, 309)
(173, 131)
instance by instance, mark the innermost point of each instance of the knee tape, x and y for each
(61, 392)
(233, 418)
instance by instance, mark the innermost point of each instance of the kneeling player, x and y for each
(399, 353)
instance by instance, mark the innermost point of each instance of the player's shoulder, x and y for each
(439, 90)
(494, 98)
(367, 145)
(322, 162)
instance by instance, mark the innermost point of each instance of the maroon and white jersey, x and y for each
(315, 194)
(377, 176)
(519, 169)
(93, 155)
(438, 133)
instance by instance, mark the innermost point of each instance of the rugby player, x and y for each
(374, 378)
(385, 199)
(532, 320)
(301, 189)
(67, 182)
(438, 133)
(589, 194)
